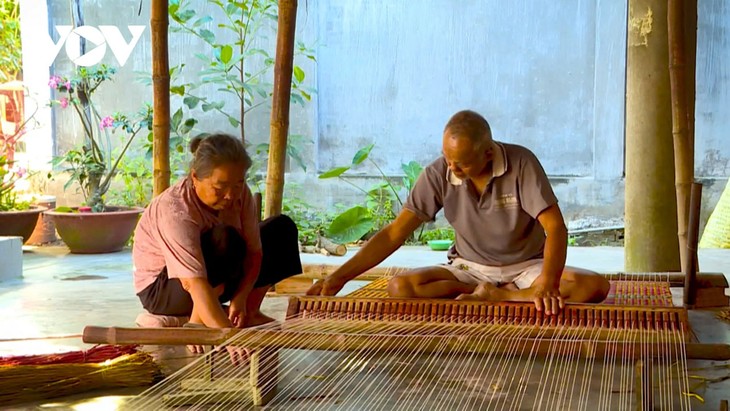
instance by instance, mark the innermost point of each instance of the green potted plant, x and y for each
(95, 227)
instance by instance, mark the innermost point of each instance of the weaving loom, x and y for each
(367, 352)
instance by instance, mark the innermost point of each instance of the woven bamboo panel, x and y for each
(627, 293)
(451, 311)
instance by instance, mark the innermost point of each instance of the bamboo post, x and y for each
(159, 20)
(651, 207)
(280, 107)
(682, 138)
(264, 375)
(690, 265)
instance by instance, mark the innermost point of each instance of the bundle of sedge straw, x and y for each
(35, 379)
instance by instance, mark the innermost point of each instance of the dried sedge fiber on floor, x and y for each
(724, 315)
(97, 353)
(25, 383)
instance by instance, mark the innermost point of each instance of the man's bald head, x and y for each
(470, 125)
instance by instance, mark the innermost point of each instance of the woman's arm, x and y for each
(206, 308)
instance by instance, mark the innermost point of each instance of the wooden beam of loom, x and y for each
(269, 339)
(704, 280)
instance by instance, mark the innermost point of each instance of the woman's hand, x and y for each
(237, 312)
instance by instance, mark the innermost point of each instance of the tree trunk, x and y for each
(280, 107)
(651, 207)
(159, 21)
(682, 137)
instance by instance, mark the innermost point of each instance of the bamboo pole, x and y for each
(683, 144)
(280, 107)
(651, 207)
(268, 339)
(159, 20)
(690, 263)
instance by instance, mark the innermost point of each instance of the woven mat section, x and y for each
(641, 293)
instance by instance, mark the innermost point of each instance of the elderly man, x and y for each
(511, 240)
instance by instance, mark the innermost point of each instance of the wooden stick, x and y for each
(643, 384)
(265, 339)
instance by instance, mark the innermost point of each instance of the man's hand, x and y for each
(330, 285)
(547, 295)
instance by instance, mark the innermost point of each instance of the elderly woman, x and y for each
(199, 244)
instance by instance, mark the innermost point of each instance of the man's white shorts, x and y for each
(522, 274)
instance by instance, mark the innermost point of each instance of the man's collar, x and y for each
(499, 165)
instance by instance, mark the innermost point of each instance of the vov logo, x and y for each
(97, 40)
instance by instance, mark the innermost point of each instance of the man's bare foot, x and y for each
(483, 292)
(257, 318)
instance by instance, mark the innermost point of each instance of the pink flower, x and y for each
(20, 172)
(64, 102)
(106, 122)
(53, 81)
(68, 85)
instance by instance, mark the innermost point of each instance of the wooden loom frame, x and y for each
(265, 344)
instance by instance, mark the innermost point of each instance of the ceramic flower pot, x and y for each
(20, 223)
(96, 233)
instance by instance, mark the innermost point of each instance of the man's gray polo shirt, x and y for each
(501, 227)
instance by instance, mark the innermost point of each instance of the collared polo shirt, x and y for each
(498, 227)
(168, 234)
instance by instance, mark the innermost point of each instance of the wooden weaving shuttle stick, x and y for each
(268, 339)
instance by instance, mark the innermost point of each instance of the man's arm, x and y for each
(377, 249)
(205, 303)
(547, 285)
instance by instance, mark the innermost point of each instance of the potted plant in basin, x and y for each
(95, 227)
(17, 218)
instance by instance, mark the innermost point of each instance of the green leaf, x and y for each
(362, 154)
(191, 101)
(335, 172)
(63, 209)
(350, 226)
(298, 74)
(176, 119)
(297, 99)
(233, 121)
(202, 20)
(412, 170)
(212, 106)
(207, 35)
(226, 54)
(188, 125)
(179, 90)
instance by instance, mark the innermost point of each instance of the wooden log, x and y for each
(265, 339)
(331, 247)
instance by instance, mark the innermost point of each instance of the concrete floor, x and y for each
(60, 293)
